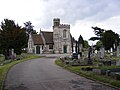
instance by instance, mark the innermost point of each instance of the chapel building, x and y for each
(58, 41)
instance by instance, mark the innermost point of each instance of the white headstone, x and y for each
(12, 51)
(111, 51)
(86, 54)
(80, 47)
(118, 51)
(78, 56)
(102, 51)
(98, 54)
(74, 51)
(118, 63)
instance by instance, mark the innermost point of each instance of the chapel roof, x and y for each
(48, 36)
(37, 39)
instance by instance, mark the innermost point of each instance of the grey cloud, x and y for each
(71, 10)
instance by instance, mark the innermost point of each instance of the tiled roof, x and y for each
(48, 37)
(37, 39)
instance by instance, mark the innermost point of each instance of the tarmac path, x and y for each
(43, 74)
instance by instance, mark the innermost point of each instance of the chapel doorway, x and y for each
(37, 49)
(65, 48)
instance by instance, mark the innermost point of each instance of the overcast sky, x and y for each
(80, 14)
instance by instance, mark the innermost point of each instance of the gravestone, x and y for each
(107, 63)
(85, 54)
(118, 51)
(98, 54)
(118, 63)
(13, 55)
(111, 52)
(99, 71)
(74, 51)
(79, 56)
(12, 51)
(102, 52)
(80, 49)
(89, 56)
(80, 53)
(85, 61)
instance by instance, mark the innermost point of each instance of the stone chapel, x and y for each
(58, 41)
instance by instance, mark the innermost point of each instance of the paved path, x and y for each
(43, 74)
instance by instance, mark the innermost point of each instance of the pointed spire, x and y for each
(80, 40)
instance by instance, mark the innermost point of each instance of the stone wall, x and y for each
(59, 40)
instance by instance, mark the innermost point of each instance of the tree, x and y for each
(12, 36)
(99, 45)
(20, 41)
(86, 45)
(80, 40)
(98, 32)
(29, 28)
(94, 38)
(109, 39)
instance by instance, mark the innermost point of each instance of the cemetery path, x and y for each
(43, 74)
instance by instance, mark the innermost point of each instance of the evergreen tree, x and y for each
(29, 28)
(110, 39)
(12, 36)
(86, 45)
(106, 37)
(98, 32)
(99, 45)
(80, 40)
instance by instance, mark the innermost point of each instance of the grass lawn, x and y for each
(5, 68)
(88, 74)
(1, 58)
(115, 58)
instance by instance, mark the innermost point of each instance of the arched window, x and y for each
(64, 33)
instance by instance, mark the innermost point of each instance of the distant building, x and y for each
(58, 41)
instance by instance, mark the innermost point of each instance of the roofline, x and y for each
(48, 31)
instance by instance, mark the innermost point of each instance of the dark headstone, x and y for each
(74, 56)
(89, 56)
(87, 69)
(106, 63)
(99, 71)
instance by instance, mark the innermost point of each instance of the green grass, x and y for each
(101, 78)
(107, 67)
(2, 58)
(115, 58)
(5, 68)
